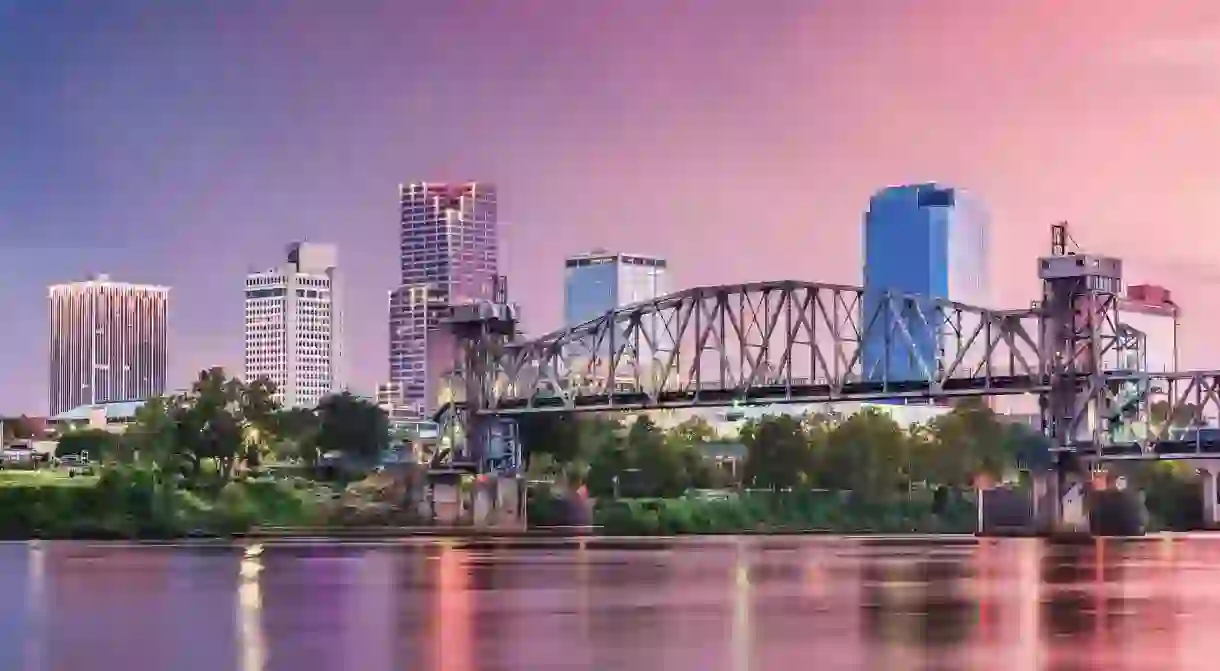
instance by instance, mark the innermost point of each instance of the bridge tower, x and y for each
(1081, 340)
(482, 330)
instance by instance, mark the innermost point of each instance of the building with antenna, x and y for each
(449, 255)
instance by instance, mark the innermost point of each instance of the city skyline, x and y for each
(619, 132)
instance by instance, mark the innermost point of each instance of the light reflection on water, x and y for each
(702, 604)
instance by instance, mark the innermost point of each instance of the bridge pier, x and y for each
(1060, 503)
(1069, 500)
(1209, 474)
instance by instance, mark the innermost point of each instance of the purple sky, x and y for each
(185, 142)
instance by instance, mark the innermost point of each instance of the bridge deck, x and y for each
(1164, 450)
(761, 395)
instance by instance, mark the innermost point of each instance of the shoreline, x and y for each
(379, 533)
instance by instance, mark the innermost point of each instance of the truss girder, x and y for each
(1159, 415)
(770, 342)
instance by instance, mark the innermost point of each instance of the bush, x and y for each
(776, 511)
(129, 502)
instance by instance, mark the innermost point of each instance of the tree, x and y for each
(257, 404)
(220, 422)
(568, 438)
(211, 426)
(662, 468)
(778, 454)
(970, 441)
(1181, 417)
(867, 454)
(97, 444)
(295, 434)
(353, 426)
(694, 431)
(20, 428)
(153, 436)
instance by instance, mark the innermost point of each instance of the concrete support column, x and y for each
(1209, 472)
(1211, 509)
(1061, 500)
(1047, 506)
(1074, 495)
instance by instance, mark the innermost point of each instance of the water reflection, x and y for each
(706, 605)
(250, 611)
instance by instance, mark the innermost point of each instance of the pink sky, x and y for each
(184, 146)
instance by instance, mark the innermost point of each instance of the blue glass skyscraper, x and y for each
(600, 281)
(925, 239)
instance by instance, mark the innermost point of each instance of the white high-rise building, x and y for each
(107, 342)
(294, 325)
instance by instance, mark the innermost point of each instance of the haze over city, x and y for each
(185, 146)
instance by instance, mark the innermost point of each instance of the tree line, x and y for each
(866, 453)
(223, 426)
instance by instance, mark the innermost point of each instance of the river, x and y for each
(699, 604)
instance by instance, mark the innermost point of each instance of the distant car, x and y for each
(20, 458)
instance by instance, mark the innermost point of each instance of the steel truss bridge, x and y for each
(805, 343)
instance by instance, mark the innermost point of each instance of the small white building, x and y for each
(294, 326)
(112, 417)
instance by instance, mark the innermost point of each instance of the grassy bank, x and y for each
(130, 503)
(764, 512)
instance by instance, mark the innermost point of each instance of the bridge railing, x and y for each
(770, 342)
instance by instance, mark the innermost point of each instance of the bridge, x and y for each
(804, 342)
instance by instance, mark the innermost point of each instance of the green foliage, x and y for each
(295, 432)
(645, 462)
(1173, 494)
(135, 502)
(871, 456)
(1180, 416)
(182, 465)
(98, 444)
(353, 426)
(877, 473)
(221, 427)
(781, 452)
(772, 512)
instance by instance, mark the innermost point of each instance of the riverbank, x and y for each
(761, 512)
(128, 503)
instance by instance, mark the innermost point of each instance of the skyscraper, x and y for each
(600, 281)
(294, 325)
(108, 342)
(448, 246)
(924, 239)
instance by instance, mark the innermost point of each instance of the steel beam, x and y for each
(783, 341)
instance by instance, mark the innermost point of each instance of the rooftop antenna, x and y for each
(1060, 239)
